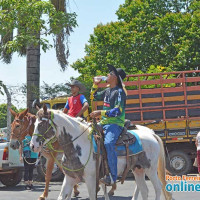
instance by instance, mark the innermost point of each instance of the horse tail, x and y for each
(161, 168)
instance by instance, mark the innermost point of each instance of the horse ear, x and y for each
(45, 108)
(22, 114)
(33, 118)
(13, 112)
(37, 107)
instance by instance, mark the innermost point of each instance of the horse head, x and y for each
(45, 129)
(22, 125)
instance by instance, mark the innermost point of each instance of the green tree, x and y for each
(3, 114)
(148, 33)
(34, 20)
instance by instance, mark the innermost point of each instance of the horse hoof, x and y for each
(111, 193)
(98, 189)
(41, 198)
(76, 193)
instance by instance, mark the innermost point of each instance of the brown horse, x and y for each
(22, 125)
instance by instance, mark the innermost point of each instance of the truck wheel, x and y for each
(10, 180)
(179, 164)
(57, 175)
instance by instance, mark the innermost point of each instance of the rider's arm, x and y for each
(85, 105)
(96, 95)
(66, 108)
(83, 109)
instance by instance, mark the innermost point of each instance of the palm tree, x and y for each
(32, 50)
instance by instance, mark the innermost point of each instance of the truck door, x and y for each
(13, 158)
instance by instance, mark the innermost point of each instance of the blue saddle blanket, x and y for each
(134, 148)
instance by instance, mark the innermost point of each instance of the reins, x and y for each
(74, 170)
(25, 159)
(54, 139)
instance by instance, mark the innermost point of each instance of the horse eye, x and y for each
(17, 126)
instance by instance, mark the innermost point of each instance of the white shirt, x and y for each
(198, 141)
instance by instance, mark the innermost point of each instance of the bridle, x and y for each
(18, 136)
(52, 125)
(48, 142)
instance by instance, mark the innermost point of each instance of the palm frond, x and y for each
(62, 49)
(6, 55)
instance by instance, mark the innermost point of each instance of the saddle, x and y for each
(125, 137)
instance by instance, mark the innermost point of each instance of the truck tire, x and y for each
(10, 180)
(180, 163)
(57, 175)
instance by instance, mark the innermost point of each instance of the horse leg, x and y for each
(141, 184)
(105, 191)
(90, 181)
(111, 192)
(66, 189)
(136, 192)
(76, 192)
(50, 165)
(152, 174)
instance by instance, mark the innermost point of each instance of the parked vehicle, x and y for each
(3, 134)
(10, 165)
(169, 103)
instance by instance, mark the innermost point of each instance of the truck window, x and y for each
(48, 105)
(58, 106)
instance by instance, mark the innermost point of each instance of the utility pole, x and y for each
(8, 111)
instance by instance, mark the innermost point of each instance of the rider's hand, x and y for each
(95, 113)
(21, 159)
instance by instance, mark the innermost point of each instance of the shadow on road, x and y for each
(37, 188)
(102, 198)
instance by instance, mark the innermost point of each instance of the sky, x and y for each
(89, 14)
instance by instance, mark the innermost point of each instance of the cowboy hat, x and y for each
(78, 84)
(119, 72)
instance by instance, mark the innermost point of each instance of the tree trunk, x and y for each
(33, 75)
(8, 111)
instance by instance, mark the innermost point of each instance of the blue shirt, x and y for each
(26, 146)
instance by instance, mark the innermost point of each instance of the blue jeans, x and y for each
(111, 133)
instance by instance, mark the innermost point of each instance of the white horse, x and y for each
(79, 164)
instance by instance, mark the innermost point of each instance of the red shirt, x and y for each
(75, 104)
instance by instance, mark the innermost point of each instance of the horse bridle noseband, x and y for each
(49, 143)
(52, 125)
(20, 133)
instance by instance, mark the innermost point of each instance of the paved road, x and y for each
(124, 192)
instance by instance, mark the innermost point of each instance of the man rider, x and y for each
(113, 116)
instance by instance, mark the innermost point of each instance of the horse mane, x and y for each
(78, 120)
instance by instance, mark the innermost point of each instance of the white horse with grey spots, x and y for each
(79, 164)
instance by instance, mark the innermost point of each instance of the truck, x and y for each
(10, 166)
(168, 103)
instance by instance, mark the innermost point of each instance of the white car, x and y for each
(10, 165)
